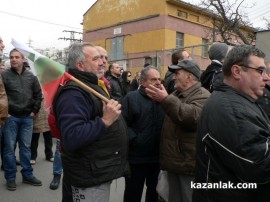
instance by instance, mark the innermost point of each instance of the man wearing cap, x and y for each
(183, 108)
(213, 76)
(169, 76)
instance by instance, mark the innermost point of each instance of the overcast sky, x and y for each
(44, 21)
(41, 21)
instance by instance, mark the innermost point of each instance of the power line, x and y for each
(260, 15)
(257, 9)
(72, 38)
(38, 20)
(47, 22)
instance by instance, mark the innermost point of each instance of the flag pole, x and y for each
(91, 90)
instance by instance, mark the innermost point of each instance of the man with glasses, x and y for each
(233, 134)
(126, 82)
(264, 101)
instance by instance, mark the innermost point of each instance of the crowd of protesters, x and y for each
(178, 139)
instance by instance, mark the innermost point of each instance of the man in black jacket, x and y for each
(24, 101)
(233, 134)
(115, 80)
(213, 75)
(144, 118)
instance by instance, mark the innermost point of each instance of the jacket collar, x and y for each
(85, 77)
(188, 91)
(14, 70)
(225, 88)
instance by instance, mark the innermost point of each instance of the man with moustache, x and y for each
(182, 108)
(93, 133)
(144, 119)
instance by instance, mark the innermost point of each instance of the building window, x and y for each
(205, 47)
(151, 60)
(117, 48)
(179, 40)
(182, 14)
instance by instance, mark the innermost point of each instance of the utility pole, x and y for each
(29, 42)
(72, 38)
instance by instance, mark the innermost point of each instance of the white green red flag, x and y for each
(50, 74)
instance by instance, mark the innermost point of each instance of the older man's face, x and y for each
(92, 60)
(104, 57)
(153, 78)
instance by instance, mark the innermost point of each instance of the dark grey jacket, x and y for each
(232, 145)
(23, 91)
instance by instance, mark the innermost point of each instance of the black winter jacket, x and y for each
(23, 91)
(232, 146)
(144, 118)
(264, 101)
(212, 76)
(116, 88)
(169, 82)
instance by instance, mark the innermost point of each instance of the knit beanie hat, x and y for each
(218, 51)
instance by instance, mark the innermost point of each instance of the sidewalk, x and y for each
(43, 171)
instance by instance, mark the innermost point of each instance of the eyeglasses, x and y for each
(261, 70)
(129, 75)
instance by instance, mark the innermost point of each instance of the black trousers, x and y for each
(47, 142)
(66, 191)
(142, 173)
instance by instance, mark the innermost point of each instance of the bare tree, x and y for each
(229, 21)
(267, 23)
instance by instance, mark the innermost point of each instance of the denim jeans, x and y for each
(57, 163)
(17, 130)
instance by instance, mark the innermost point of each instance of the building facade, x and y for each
(135, 32)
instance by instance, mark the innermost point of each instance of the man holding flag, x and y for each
(24, 100)
(93, 133)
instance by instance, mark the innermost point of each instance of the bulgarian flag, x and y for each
(50, 74)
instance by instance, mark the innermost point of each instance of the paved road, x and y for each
(43, 171)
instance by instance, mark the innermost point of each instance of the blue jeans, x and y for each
(57, 162)
(17, 130)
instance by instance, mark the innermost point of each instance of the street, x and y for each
(43, 171)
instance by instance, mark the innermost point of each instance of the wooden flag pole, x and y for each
(106, 100)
